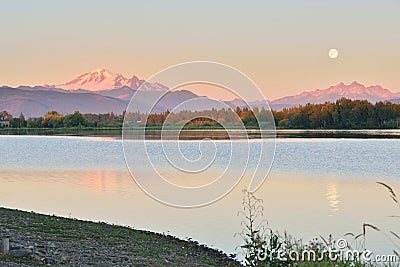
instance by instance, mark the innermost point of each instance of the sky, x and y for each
(282, 45)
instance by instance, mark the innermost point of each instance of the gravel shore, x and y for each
(37, 240)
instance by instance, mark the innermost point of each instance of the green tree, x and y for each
(75, 120)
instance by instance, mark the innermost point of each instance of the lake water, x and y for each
(315, 187)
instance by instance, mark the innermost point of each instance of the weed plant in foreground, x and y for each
(263, 246)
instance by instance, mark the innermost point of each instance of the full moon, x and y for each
(333, 53)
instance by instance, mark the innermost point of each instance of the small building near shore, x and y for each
(4, 123)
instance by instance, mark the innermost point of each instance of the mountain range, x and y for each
(101, 91)
(354, 90)
(102, 79)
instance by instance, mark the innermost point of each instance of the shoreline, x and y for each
(217, 134)
(38, 239)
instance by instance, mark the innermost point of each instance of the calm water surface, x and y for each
(315, 187)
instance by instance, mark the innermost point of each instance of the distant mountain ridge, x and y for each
(104, 82)
(353, 91)
(101, 91)
(37, 101)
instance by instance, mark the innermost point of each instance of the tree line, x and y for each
(342, 114)
(54, 119)
(205, 118)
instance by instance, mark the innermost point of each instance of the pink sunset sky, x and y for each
(282, 45)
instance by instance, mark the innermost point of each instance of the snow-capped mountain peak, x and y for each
(103, 79)
(354, 90)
